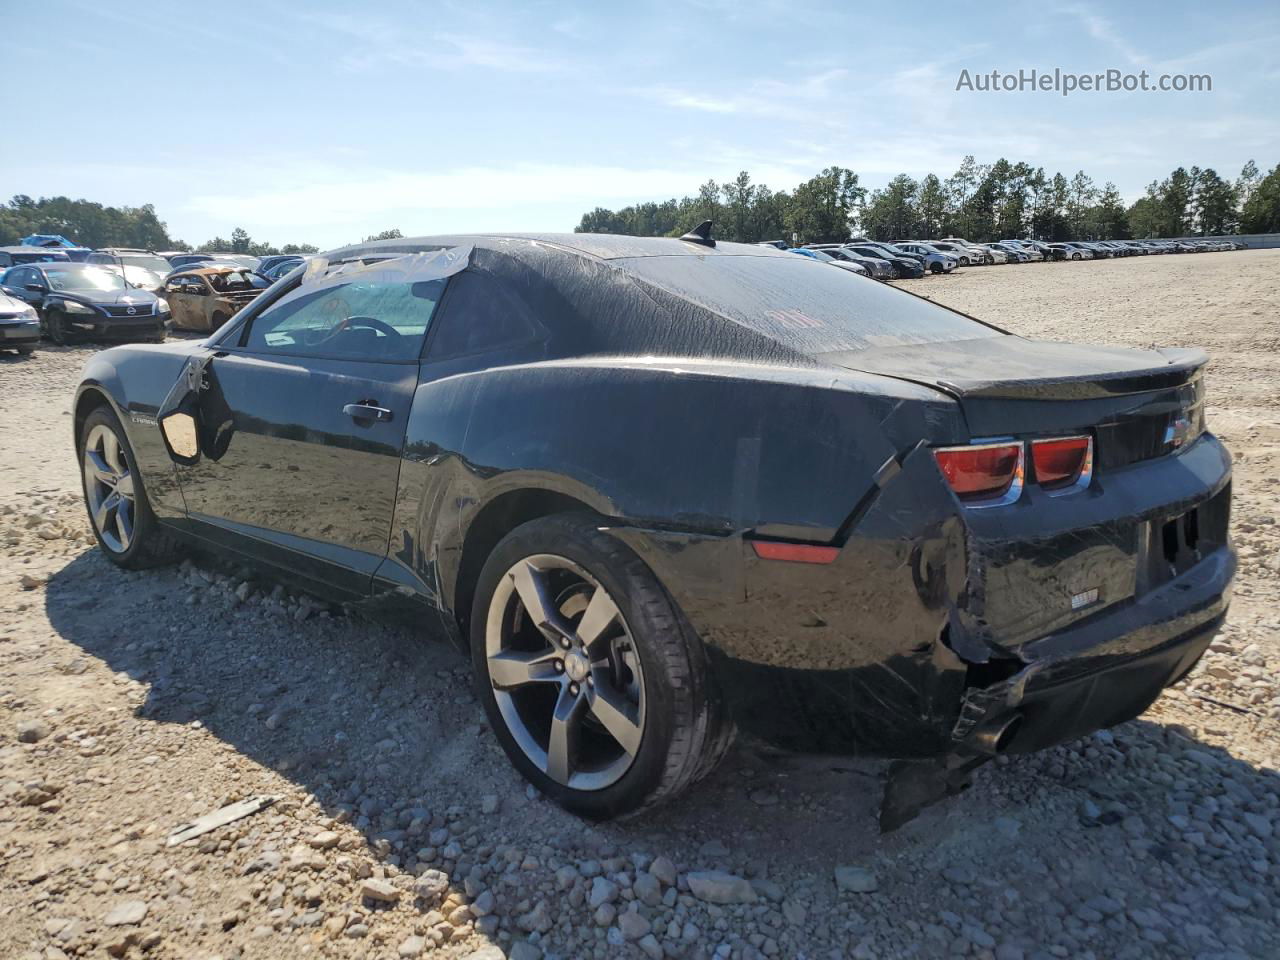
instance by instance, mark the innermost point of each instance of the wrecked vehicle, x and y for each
(659, 488)
(205, 297)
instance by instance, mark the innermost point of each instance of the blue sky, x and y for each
(327, 122)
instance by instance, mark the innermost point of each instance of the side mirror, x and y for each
(179, 430)
(9, 290)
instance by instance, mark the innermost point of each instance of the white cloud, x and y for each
(764, 98)
(1102, 30)
(382, 43)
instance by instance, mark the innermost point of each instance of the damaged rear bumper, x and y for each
(1102, 671)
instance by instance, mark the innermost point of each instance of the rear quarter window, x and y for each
(807, 305)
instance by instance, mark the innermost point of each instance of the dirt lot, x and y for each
(130, 703)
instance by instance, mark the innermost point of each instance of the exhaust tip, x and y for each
(994, 738)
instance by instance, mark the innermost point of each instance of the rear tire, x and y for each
(123, 523)
(602, 698)
(25, 351)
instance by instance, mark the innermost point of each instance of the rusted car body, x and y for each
(204, 298)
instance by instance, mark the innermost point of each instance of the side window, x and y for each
(361, 320)
(483, 314)
(176, 285)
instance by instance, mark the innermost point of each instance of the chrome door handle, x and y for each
(366, 411)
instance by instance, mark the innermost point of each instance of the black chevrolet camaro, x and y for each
(665, 488)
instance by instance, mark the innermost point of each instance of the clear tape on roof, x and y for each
(405, 268)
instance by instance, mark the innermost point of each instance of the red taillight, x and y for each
(987, 471)
(795, 552)
(1063, 461)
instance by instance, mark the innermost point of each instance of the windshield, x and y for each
(812, 311)
(139, 276)
(145, 261)
(83, 278)
(818, 255)
(236, 280)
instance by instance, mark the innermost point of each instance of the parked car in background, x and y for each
(965, 255)
(268, 262)
(19, 324)
(207, 296)
(52, 241)
(280, 269)
(827, 258)
(1017, 251)
(180, 260)
(969, 245)
(998, 255)
(79, 301)
(9, 256)
(1073, 251)
(1045, 249)
(126, 257)
(937, 261)
(896, 531)
(905, 267)
(877, 268)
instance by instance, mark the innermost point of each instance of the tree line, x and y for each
(979, 202)
(95, 225)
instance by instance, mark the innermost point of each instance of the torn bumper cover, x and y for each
(1073, 684)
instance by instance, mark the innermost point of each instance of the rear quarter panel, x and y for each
(696, 450)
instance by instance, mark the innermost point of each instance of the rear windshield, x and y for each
(807, 305)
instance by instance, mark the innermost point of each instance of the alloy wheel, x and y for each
(108, 486)
(565, 672)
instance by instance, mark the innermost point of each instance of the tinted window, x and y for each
(361, 320)
(483, 314)
(803, 304)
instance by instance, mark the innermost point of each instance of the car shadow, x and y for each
(382, 729)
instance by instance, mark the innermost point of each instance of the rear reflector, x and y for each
(795, 552)
(984, 471)
(1062, 462)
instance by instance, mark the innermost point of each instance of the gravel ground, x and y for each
(132, 703)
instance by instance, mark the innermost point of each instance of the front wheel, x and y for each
(1075, 256)
(55, 325)
(595, 686)
(121, 516)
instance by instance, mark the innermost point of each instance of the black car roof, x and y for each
(600, 246)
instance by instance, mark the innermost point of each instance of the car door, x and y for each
(306, 411)
(175, 292)
(28, 285)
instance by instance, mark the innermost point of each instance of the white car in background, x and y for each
(966, 255)
(977, 248)
(1017, 251)
(19, 325)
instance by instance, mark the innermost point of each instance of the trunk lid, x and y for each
(1010, 386)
